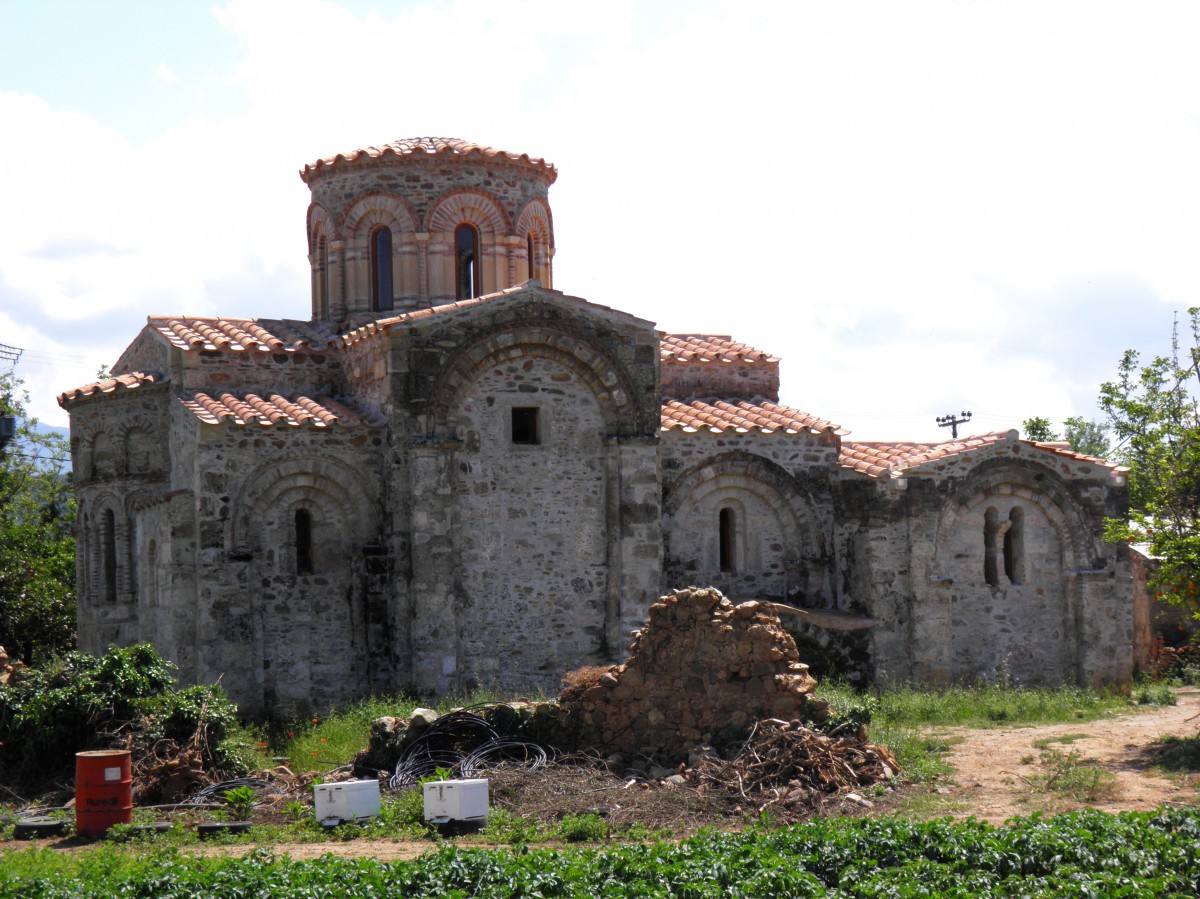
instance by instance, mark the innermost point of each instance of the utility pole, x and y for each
(952, 422)
(8, 421)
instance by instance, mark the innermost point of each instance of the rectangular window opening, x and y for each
(525, 425)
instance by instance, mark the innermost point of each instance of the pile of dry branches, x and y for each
(782, 756)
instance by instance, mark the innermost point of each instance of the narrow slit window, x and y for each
(322, 278)
(991, 568)
(467, 273)
(727, 539)
(525, 426)
(529, 246)
(1014, 547)
(381, 269)
(108, 549)
(304, 560)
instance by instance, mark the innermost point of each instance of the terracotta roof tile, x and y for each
(429, 146)
(131, 381)
(708, 348)
(875, 459)
(242, 334)
(1062, 448)
(275, 409)
(741, 417)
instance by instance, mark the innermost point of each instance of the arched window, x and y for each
(727, 539)
(467, 279)
(108, 553)
(381, 269)
(304, 554)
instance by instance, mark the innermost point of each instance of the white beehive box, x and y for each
(456, 800)
(353, 800)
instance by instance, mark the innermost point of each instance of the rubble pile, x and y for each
(701, 671)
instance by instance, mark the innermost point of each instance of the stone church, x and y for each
(452, 474)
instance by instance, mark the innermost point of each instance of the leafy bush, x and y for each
(81, 702)
(589, 828)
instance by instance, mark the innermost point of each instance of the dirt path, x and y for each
(997, 771)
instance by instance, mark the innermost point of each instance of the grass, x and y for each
(1046, 742)
(1071, 776)
(322, 743)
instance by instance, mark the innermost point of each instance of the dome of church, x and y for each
(409, 148)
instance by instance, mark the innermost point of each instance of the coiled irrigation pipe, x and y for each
(443, 744)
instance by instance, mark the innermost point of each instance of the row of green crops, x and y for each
(1082, 854)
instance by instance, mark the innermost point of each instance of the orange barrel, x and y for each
(103, 790)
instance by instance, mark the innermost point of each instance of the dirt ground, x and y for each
(997, 770)
(999, 773)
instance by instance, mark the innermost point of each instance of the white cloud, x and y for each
(901, 200)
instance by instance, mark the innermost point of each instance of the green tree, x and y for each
(37, 551)
(1083, 436)
(1038, 429)
(1153, 414)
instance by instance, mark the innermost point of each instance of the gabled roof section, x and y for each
(742, 417)
(237, 335)
(880, 459)
(272, 409)
(704, 366)
(531, 288)
(699, 348)
(119, 384)
(429, 147)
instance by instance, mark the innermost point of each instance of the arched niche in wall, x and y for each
(743, 524)
(447, 221)
(299, 524)
(368, 217)
(535, 233)
(603, 377)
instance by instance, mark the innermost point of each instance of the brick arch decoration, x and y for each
(1008, 480)
(376, 208)
(90, 512)
(739, 472)
(468, 206)
(607, 380)
(117, 440)
(320, 224)
(535, 217)
(330, 486)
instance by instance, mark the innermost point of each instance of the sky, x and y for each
(920, 207)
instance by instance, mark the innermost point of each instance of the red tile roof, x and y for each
(429, 146)
(741, 417)
(274, 409)
(875, 459)
(131, 381)
(708, 348)
(241, 334)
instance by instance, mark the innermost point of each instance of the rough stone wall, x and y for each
(281, 635)
(1052, 605)
(526, 559)
(700, 671)
(118, 462)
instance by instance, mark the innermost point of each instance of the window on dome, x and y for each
(381, 269)
(467, 271)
